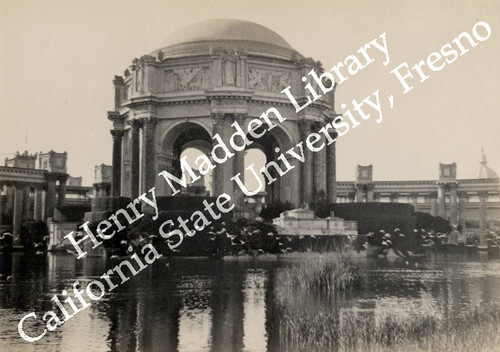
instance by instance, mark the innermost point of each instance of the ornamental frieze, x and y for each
(185, 79)
(268, 81)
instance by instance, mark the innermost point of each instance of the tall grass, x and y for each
(335, 273)
(475, 330)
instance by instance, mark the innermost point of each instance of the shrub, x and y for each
(337, 273)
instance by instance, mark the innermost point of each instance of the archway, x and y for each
(186, 139)
(264, 150)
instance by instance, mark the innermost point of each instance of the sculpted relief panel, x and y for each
(185, 79)
(268, 81)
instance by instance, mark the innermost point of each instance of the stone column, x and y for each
(482, 216)
(351, 197)
(135, 162)
(442, 200)
(218, 172)
(43, 207)
(319, 166)
(394, 197)
(359, 193)
(307, 165)
(26, 203)
(462, 198)
(37, 213)
(9, 201)
(369, 192)
(1, 203)
(239, 167)
(50, 200)
(331, 173)
(149, 156)
(453, 206)
(17, 214)
(433, 200)
(164, 164)
(61, 197)
(117, 163)
(414, 201)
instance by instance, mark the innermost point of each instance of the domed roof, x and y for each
(226, 29)
(229, 35)
(485, 171)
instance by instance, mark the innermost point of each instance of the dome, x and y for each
(226, 29)
(485, 171)
(227, 34)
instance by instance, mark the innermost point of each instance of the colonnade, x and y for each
(317, 173)
(17, 198)
(446, 201)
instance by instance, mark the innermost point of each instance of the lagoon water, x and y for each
(195, 304)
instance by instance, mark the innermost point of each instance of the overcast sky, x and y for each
(58, 59)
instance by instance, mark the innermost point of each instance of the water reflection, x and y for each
(214, 305)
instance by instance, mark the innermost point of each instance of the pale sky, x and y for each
(58, 60)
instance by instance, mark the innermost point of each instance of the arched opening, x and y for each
(203, 185)
(262, 151)
(188, 140)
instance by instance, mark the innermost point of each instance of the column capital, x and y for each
(116, 133)
(240, 116)
(305, 124)
(359, 186)
(149, 121)
(482, 194)
(135, 124)
(62, 177)
(217, 118)
(51, 177)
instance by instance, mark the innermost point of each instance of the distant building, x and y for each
(303, 222)
(471, 203)
(30, 193)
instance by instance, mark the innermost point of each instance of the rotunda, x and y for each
(207, 76)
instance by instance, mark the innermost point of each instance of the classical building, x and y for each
(208, 76)
(303, 222)
(28, 192)
(471, 203)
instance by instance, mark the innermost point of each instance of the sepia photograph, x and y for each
(254, 176)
